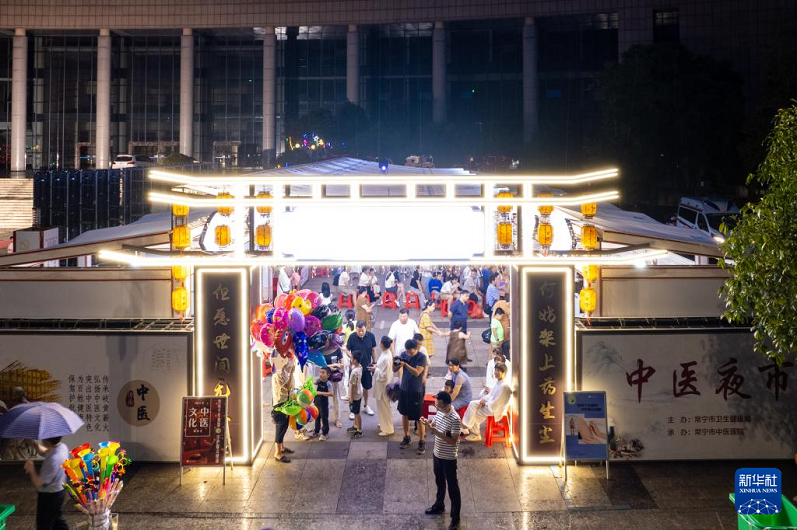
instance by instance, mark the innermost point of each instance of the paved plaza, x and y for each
(372, 483)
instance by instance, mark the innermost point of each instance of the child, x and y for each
(49, 481)
(355, 397)
(448, 387)
(323, 393)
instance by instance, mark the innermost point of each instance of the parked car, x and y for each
(127, 161)
(706, 214)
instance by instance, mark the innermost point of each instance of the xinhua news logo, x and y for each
(758, 491)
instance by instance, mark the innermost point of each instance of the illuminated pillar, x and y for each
(530, 114)
(187, 93)
(19, 80)
(439, 73)
(269, 99)
(353, 65)
(103, 115)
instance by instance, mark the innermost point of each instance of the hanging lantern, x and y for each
(180, 299)
(263, 209)
(545, 209)
(545, 234)
(587, 300)
(589, 237)
(181, 237)
(504, 234)
(590, 273)
(223, 235)
(588, 210)
(180, 210)
(179, 272)
(263, 236)
(505, 208)
(224, 210)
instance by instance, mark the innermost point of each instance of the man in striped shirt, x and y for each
(446, 429)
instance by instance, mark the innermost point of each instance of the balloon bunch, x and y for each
(94, 478)
(299, 407)
(298, 322)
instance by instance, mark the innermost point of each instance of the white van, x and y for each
(706, 214)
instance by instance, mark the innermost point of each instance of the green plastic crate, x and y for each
(5, 511)
(787, 518)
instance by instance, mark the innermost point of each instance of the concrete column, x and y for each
(439, 73)
(19, 97)
(269, 97)
(187, 92)
(530, 112)
(103, 115)
(353, 65)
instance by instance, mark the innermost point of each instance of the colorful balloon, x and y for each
(305, 398)
(296, 319)
(314, 298)
(261, 311)
(303, 416)
(311, 325)
(280, 316)
(291, 410)
(281, 300)
(270, 315)
(303, 293)
(292, 423)
(284, 341)
(267, 335)
(321, 312)
(255, 328)
(313, 410)
(319, 340)
(332, 322)
(289, 300)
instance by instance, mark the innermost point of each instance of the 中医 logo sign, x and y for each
(758, 491)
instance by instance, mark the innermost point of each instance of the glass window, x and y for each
(665, 26)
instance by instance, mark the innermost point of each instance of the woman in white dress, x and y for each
(383, 376)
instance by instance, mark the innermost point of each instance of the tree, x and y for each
(670, 120)
(762, 290)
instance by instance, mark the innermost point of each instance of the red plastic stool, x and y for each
(345, 300)
(389, 301)
(443, 307)
(428, 406)
(497, 431)
(413, 301)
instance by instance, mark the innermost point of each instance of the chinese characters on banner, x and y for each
(222, 343)
(204, 424)
(89, 398)
(690, 393)
(547, 325)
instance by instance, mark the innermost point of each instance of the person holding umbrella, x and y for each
(47, 422)
(49, 482)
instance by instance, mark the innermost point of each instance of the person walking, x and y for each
(411, 367)
(457, 348)
(283, 383)
(402, 330)
(427, 327)
(49, 482)
(362, 344)
(383, 376)
(458, 313)
(446, 429)
(364, 307)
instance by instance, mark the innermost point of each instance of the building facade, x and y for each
(221, 81)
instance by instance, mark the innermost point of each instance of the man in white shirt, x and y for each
(494, 404)
(449, 289)
(343, 283)
(402, 330)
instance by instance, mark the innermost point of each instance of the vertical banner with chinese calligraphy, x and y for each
(204, 431)
(222, 348)
(546, 353)
(690, 393)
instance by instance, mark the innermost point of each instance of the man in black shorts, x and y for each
(362, 343)
(411, 366)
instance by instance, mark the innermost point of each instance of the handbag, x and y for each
(336, 376)
(487, 335)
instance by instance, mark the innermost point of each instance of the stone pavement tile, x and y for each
(319, 490)
(363, 487)
(479, 450)
(360, 450)
(625, 489)
(329, 449)
(493, 487)
(222, 506)
(536, 488)
(468, 487)
(394, 452)
(403, 480)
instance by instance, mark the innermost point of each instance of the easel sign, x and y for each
(585, 428)
(203, 437)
